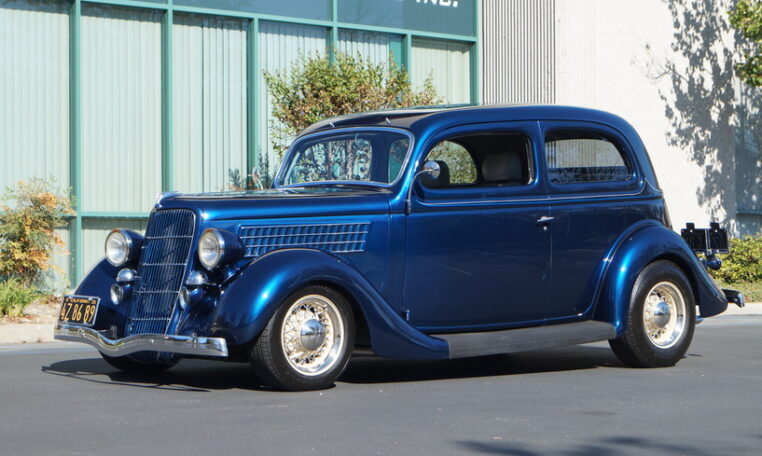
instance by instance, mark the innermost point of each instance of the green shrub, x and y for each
(743, 263)
(14, 296)
(31, 212)
(316, 88)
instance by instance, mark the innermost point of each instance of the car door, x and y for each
(476, 256)
(594, 182)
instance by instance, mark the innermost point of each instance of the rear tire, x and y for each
(140, 363)
(307, 343)
(661, 318)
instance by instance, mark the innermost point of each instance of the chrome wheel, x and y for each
(664, 315)
(312, 335)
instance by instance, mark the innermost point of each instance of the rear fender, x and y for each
(248, 303)
(648, 242)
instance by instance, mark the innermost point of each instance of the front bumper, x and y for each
(184, 345)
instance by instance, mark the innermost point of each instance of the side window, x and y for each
(458, 160)
(577, 157)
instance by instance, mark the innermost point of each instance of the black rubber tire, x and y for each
(269, 361)
(634, 347)
(138, 364)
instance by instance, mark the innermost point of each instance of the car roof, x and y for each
(442, 116)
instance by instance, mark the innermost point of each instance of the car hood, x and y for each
(287, 202)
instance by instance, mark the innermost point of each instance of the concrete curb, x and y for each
(30, 333)
(25, 333)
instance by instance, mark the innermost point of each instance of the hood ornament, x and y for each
(161, 196)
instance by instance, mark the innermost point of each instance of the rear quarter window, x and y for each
(583, 157)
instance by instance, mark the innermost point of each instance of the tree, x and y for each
(746, 17)
(315, 88)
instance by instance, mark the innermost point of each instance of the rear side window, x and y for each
(580, 157)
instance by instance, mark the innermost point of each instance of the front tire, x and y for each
(308, 342)
(661, 318)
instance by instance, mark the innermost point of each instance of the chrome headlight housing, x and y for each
(122, 246)
(216, 247)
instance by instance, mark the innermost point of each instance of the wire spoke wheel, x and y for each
(312, 335)
(664, 315)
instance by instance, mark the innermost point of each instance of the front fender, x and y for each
(646, 243)
(98, 283)
(249, 302)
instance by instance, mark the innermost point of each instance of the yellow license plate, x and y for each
(79, 310)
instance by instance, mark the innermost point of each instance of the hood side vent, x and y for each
(334, 238)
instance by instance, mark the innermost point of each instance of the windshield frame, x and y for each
(288, 157)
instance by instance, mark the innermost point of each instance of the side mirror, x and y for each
(431, 168)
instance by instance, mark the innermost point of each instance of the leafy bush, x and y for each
(743, 263)
(31, 212)
(316, 88)
(14, 296)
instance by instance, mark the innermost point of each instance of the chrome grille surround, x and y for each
(335, 238)
(161, 270)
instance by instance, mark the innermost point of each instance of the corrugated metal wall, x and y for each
(447, 63)
(279, 46)
(34, 101)
(518, 45)
(375, 47)
(209, 102)
(95, 232)
(34, 91)
(121, 109)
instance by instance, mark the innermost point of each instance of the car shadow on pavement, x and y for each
(377, 370)
(203, 376)
(607, 446)
(189, 375)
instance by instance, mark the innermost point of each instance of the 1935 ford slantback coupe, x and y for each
(421, 234)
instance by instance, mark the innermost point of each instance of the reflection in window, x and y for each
(363, 156)
(584, 159)
(458, 160)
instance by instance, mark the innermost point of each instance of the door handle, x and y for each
(545, 220)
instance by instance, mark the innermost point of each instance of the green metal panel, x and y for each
(210, 118)
(372, 46)
(34, 91)
(279, 46)
(252, 90)
(448, 63)
(121, 108)
(95, 231)
(167, 171)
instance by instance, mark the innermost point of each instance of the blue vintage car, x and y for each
(419, 234)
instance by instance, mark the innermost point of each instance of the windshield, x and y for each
(373, 156)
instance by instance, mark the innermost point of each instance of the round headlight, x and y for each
(211, 246)
(118, 247)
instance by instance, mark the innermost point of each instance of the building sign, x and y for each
(452, 17)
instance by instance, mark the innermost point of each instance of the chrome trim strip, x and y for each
(185, 345)
(548, 199)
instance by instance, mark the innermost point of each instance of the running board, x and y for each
(464, 345)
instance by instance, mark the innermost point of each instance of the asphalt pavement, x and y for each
(61, 399)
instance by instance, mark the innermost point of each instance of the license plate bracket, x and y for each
(79, 310)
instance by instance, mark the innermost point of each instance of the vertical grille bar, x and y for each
(166, 251)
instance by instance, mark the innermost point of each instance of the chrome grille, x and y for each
(336, 238)
(166, 251)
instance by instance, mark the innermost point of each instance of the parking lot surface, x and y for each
(577, 401)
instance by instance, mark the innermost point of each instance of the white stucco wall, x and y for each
(666, 67)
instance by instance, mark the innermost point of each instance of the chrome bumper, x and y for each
(185, 345)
